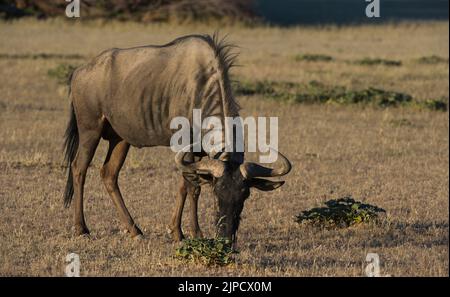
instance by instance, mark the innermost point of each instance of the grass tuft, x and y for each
(206, 251)
(44, 56)
(401, 123)
(62, 72)
(433, 104)
(432, 60)
(316, 92)
(377, 61)
(340, 213)
(314, 58)
(375, 96)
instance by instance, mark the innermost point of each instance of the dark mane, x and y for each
(221, 47)
(225, 56)
(224, 50)
(227, 59)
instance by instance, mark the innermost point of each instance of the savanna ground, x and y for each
(395, 158)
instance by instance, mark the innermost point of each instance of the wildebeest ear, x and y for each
(264, 184)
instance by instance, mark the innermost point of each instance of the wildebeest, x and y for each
(129, 96)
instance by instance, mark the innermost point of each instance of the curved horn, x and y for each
(249, 169)
(213, 167)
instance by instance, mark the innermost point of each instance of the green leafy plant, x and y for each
(62, 72)
(432, 60)
(433, 104)
(206, 251)
(378, 61)
(247, 88)
(313, 58)
(402, 123)
(375, 96)
(315, 92)
(41, 56)
(340, 213)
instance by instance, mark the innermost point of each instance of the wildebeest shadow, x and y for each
(418, 234)
(302, 248)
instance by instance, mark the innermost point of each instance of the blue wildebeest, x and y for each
(129, 97)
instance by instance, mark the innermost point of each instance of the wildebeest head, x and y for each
(231, 183)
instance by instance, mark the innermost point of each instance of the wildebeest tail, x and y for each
(70, 150)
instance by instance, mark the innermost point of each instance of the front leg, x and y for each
(175, 227)
(194, 193)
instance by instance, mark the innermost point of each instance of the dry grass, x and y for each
(396, 159)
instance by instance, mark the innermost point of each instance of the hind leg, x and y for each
(86, 150)
(117, 152)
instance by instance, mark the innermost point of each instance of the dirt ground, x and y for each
(395, 158)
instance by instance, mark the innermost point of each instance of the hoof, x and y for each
(136, 232)
(81, 231)
(197, 234)
(177, 235)
(139, 237)
(85, 236)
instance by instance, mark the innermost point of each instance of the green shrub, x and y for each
(434, 104)
(44, 56)
(316, 92)
(341, 213)
(378, 61)
(313, 58)
(206, 251)
(374, 96)
(432, 60)
(401, 123)
(247, 88)
(62, 72)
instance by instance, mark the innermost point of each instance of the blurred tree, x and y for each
(143, 10)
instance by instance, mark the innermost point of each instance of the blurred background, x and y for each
(284, 12)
